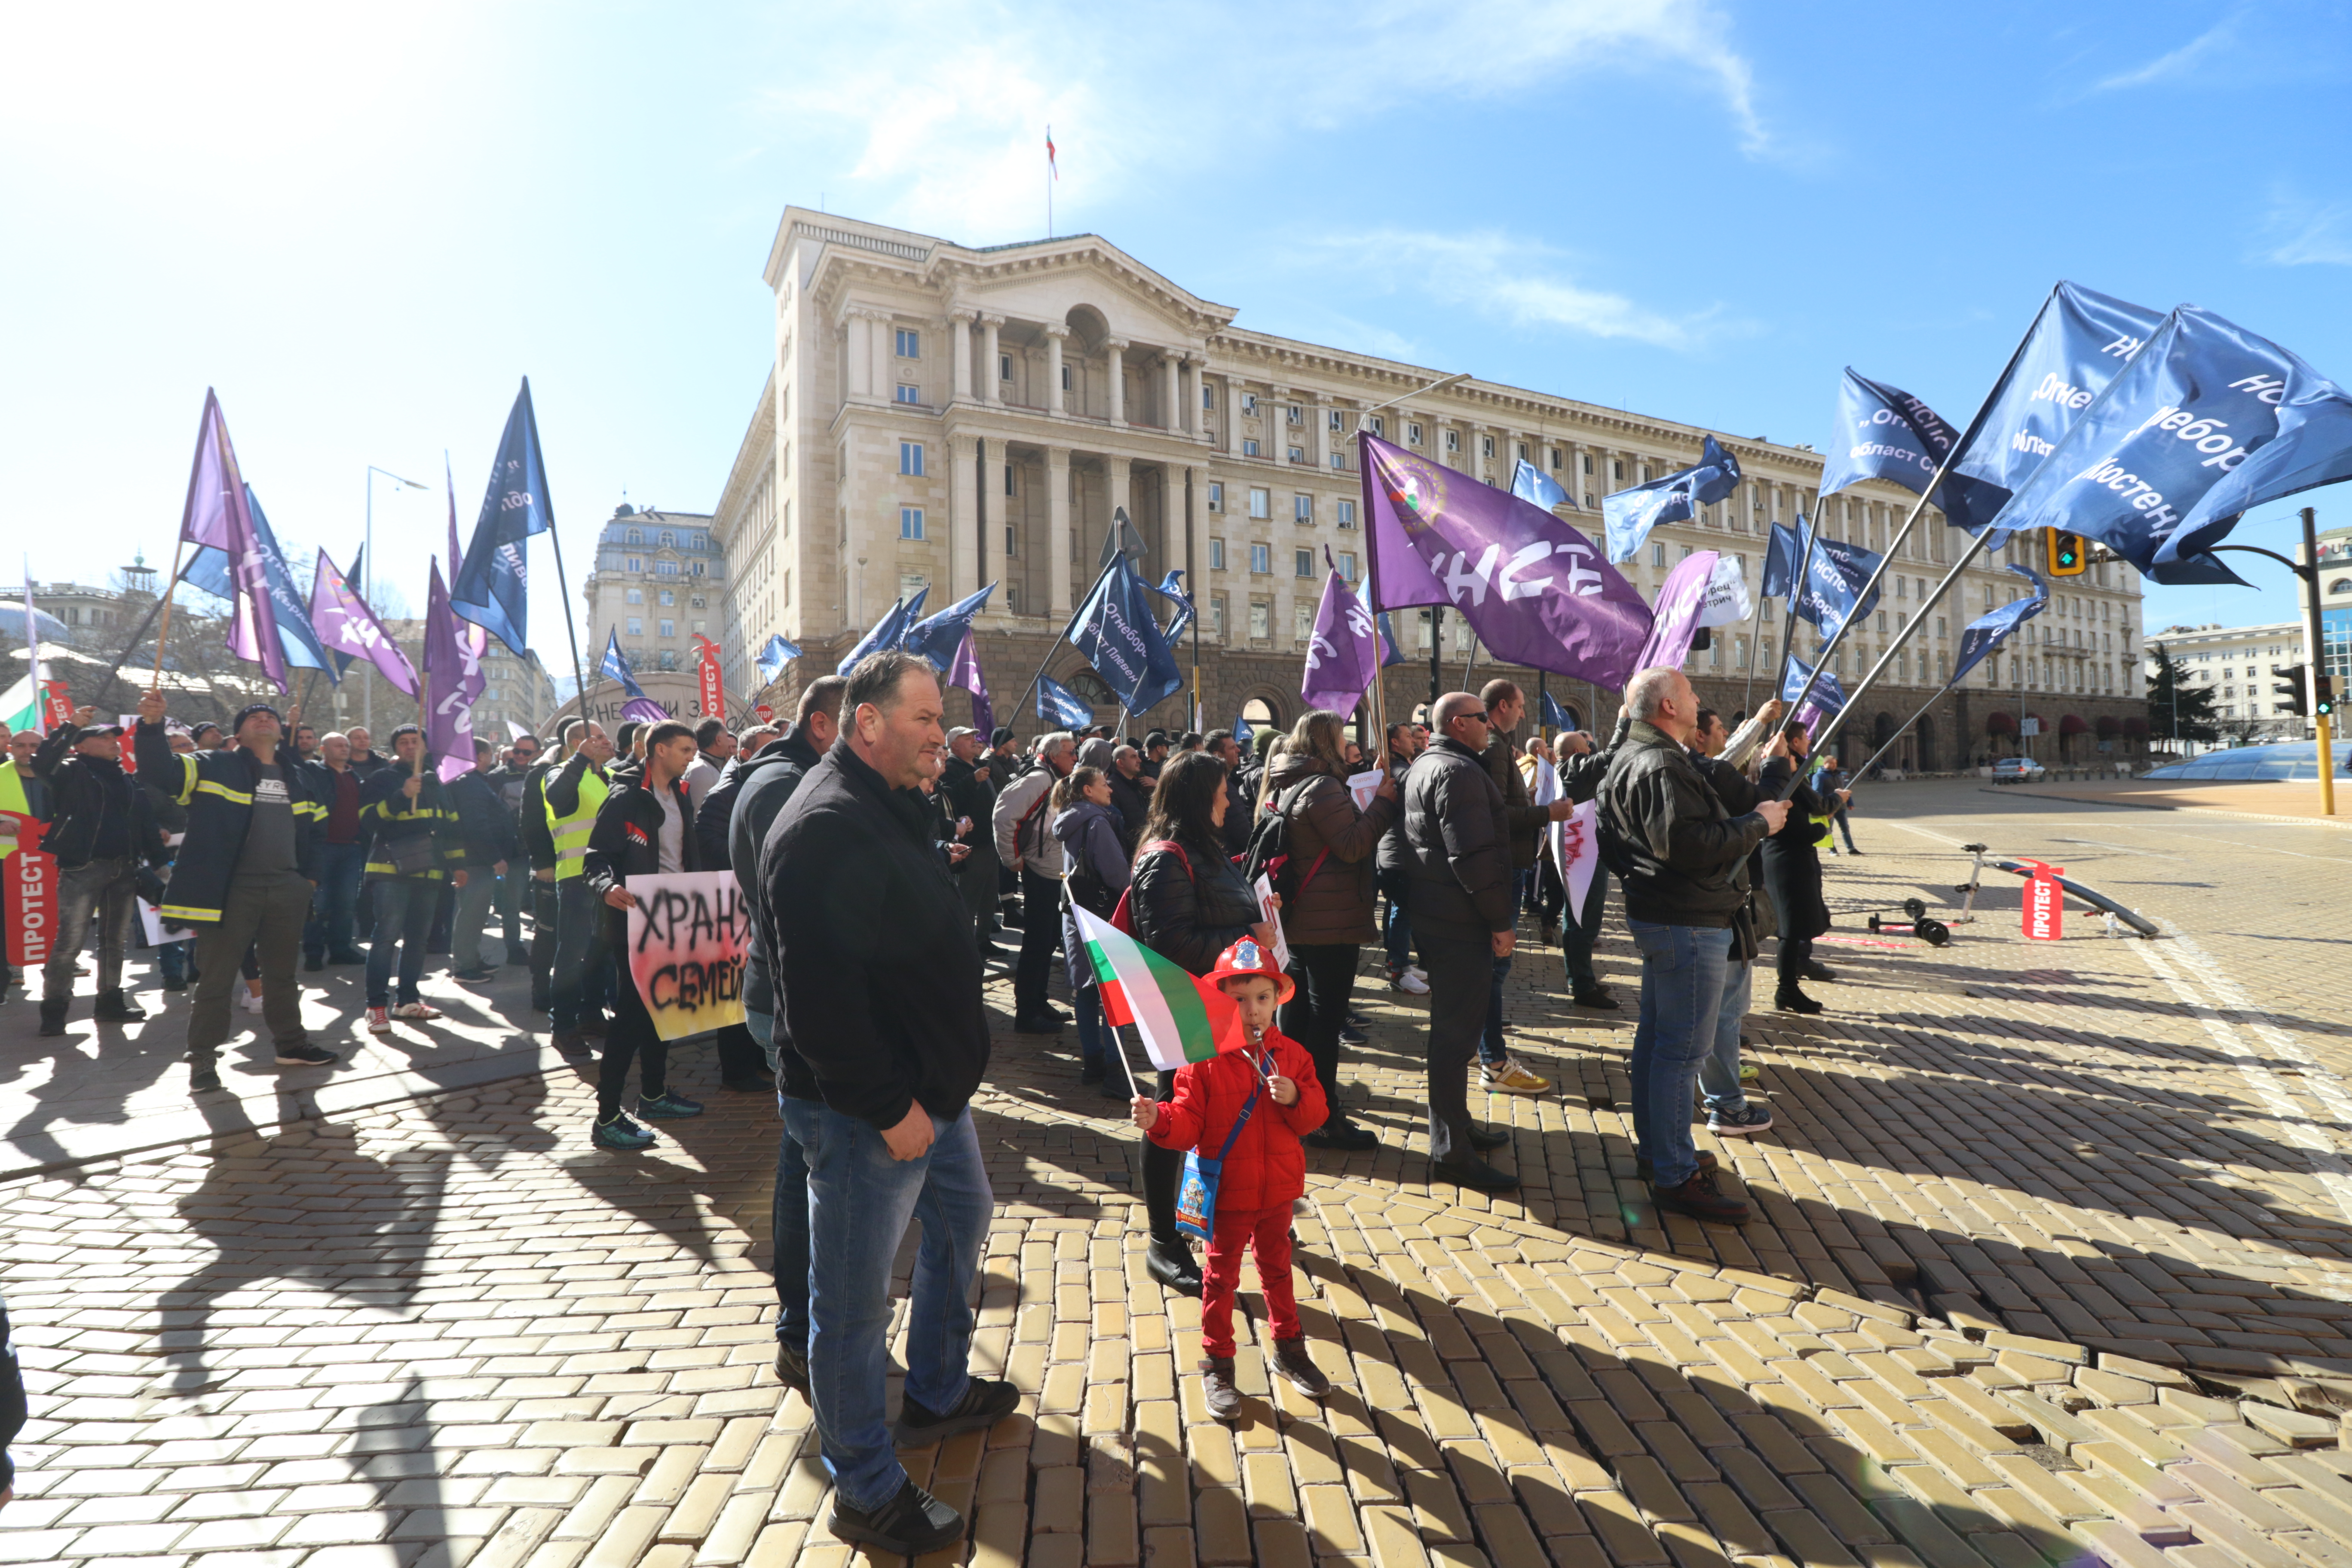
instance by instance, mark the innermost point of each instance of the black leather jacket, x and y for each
(1190, 904)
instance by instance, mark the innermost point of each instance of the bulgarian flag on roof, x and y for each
(1180, 1019)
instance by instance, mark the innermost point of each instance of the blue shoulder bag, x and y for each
(1196, 1195)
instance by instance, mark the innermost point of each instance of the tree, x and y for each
(2175, 706)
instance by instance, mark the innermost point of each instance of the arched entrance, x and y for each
(1882, 730)
(1924, 746)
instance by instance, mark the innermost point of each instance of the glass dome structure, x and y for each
(2287, 759)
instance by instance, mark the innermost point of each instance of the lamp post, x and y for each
(367, 576)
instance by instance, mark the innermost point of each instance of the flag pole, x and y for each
(1900, 732)
(1796, 598)
(579, 681)
(1917, 509)
(1755, 625)
(133, 646)
(1976, 548)
(155, 682)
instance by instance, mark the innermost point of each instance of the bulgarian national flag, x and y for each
(1180, 1019)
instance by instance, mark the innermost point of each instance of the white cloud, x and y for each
(2196, 52)
(2304, 233)
(1520, 281)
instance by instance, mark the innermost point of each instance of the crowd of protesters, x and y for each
(883, 858)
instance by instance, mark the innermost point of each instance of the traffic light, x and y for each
(2327, 694)
(2290, 691)
(2067, 556)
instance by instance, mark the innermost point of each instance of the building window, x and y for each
(697, 568)
(1616, 471)
(1208, 396)
(696, 541)
(911, 459)
(1454, 440)
(909, 393)
(1302, 509)
(1381, 424)
(695, 602)
(1302, 621)
(1249, 447)
(1347, 564)
(637, 536)
(668, 597)
(910, 522)
(636, 563)
(669, 628)
(1012, 597)
(1261, 559)
(1658, 553)
(669, 540)
(1346, 510)
(664, 568)
(1011, 545)
(636, 595)
(1588, 462)
(1302, 564)
(1065, 378)
(1413, 433)
(1485, 445)
(1261, 619)
(911, 343)
(636, 626)
(1339, 462)
(1249, 403)
(1298, 454)
(1005, 367)
(1216, 495)
(1216, 555)
(1293, 415)
(1261, 501)
(1332, 419)
(1217, 615)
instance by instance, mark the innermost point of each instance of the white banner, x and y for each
(1268, 912)
(1727, 603)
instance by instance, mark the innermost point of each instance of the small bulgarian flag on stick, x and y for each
(1180, 1019)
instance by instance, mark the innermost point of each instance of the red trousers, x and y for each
(1267, 1232)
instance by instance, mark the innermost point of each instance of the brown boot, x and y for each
(1295, 1361)
(1217, 1383)
(1699, 1198)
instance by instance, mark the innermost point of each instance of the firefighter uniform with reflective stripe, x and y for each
(217, 787)
(394, 820)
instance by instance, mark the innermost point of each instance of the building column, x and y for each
(992, 386)
(1188, 395)
(878, 330)
(1115, 495)
(963, 525)
(1275, 420)
(1057, 530)
(856, 358)
(990, 532)
(1115, 353)
(959, 340)
(1171, 380)
(1321, 413)
(1054, 402)
(1233, 417)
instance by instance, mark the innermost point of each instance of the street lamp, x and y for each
(367, 576)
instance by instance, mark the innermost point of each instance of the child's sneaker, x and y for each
(1297, 1363)
(1224, 1399)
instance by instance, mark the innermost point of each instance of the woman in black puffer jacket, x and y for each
(1189, 903)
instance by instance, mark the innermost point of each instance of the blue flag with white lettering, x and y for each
(1057, 704)
(2078, 343)
(1629, 514)
(1531, 483)
(1836, 575)
(2207, 421)
(616, 664)
(1120, 636)
(886, 632)
(938, 639)
(490, 588)
(1884, 432)
(1984, 634)
(773, 655)
(1829, 695)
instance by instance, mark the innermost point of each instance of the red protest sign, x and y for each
(2045, 912)
(714, 691)
(28, 894)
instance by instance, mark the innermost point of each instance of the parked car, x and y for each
(2016, 770)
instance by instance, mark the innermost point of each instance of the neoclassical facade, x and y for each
(945, 416)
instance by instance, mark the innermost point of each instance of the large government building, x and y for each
(944, 416)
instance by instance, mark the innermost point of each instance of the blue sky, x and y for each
(364, 227)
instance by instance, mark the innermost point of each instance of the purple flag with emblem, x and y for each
(964, 670)
(219, 513)
(346, 627)
(1535, 590)
(1680, 598)
(1343, 652)
(449, 714)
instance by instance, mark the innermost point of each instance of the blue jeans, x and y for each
(577, 984)
(1094, 1042)
(788, 1215)
(1397, 929)
(1490, 1042)
(171, 958)
(404, 918)
(860, 1200)
(1718, 1074)
(336, 903)
(474, 901)
(1682, 997)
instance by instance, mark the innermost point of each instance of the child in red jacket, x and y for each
(1264, 1171)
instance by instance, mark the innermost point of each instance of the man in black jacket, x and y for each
(413, 852)
(1459, 856)
(510, 778)
(1793, 870)
(971, 782)
(884, 1040)
(486, 830)
(101, 833)
(746, 1064)
(644, 828)
(1682, 858)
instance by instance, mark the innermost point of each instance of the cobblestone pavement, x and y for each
(2053, 1264)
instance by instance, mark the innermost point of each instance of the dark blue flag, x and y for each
(489, 588)
(2207, 421)
(886, 632)
(1057, 704)
(1629, 514)
(1390, 652)
(208, 570)
(1171, 587)
(773, 656)
(2078, 343)
(1827, 700)
(1838, 572)
(1120, 637)
(616, 664)
(938, 639)
(1884, 432)
(1984, 634)
(1555, 717)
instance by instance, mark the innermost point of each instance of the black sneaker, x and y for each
(573, 1044)
(175, 983)
(313, 962)
(203, 1080)
(1485, 1137)
(1473, 1173)
(1091, 1073)
(474, 976)
(1351, 1036)
(1344, 1135)
(985, 1402)
(114, 1007)
(908, 1525)
(1593, 996)
(1037, 1024)
(792, 1366)
(302, 1054)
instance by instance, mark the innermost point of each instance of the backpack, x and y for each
(1123, 918)
(1269, 852)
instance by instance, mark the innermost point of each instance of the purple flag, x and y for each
(964, 670)
(1535, 590)
(218, 514)
(346, 625)
(1680, 598)
(1343, 652)
(448, 718)
(645, 711)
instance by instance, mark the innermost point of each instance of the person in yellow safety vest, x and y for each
(578, 985)
(15, 810)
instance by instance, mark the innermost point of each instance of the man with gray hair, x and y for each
(1682, 858)
(1022, 840)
